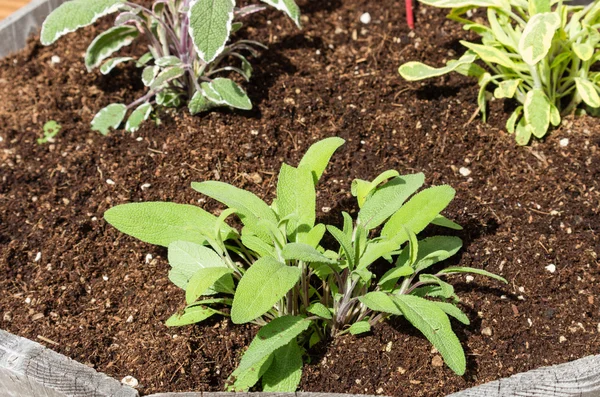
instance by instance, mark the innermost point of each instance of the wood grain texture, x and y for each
(579, 378)
(17, 27)
(7, 7)
(28, 369)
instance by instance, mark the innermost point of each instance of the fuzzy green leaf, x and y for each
(162, 223)
(388, 199)
(187, 259)
(418, 212)
(278, 333)
(190, 315)
(296, 196)
(318, 155)
(149, 74)
(359, 327)
(319, 309)
(380, 302)
(109, 117)
(512, 120)
(433, 323)
(450, 270)
(442, 221)
(363, 189)
(204, 279)
(345, 243)
(507, 88)
(167, 75)
(536, 38)
(304, 252)
(453, 311)
(138, 116)
(199, 103)
(107, 43)
(210, 26)
(263, 285)
(285, 371)
(75, 14)
(523, 132)
(491, 55)
(436, 249)
(230, 93)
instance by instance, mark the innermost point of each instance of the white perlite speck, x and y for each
(145, 186)
(464, 171)
(55, 59)
(562, 339)
(130, 381)
(148, 258)
(551, 268)
(110, 181)
(365, 18)
(564, 142)
(38, 256)
(469, 278)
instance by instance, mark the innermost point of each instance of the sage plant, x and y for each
(189, 51)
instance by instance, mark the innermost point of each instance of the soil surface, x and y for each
(73, 283)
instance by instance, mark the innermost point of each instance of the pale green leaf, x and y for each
(190, 315)
(436, 249)
(162, 223)
(536, 111)
(107, 43)
(587, 91)
(320, 310)
(314, 236)
(472, 270)
(538, 6)
(433, 323)
(359, 327)
(491, 55)
(109, 118)
(285, 371)
(363, 189)
(453, 311)
(202, 280)
(536, 38)
(263, 285)
(418, 212)
(512, 120)
(345, 242)
(258, 245)
(296, 196)
(380, 302)
(149, 74)
(248, 378)
(230, 93)
(389, 279)
(210, 26)
(442, 221)
(413, 71)
(138, 116)
(584, 51)
(446, 290)
(188, 258)
(387, 199)
(199, 103)
(523, 132)
(318, 155)
(75, 14)
(305, 253)
(462, 3)
(168, 61)
(278, 333)
(554, 115)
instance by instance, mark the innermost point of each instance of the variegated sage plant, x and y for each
(539, 52)
(188, 42)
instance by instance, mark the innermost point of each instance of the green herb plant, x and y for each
(188, 51)
(539, 52)
(51, 129)
(274, 272)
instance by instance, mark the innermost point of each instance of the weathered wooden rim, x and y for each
(28, 369)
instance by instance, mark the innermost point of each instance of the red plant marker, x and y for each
(410, 19)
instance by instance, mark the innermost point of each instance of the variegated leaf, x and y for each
(536, 39)
(507, 88)
(587, 91)
(537, 112)
(107, 43)
(413, 71)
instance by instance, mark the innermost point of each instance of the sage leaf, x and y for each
(231, 94)
(380, 302)
(537, 112)
(414, 71)
(263, 285)
(507, 88)
(450, 270)
(202, 280)
(305, 253)
(296, 196)
(285, 371)
(190, 315)
(210, 26)
(436, 249)
(137, 117)
(112, 63)
(491, 54)
(287, 6)
(75, 14)
(453, 311)
(588, 92)
(149, 74)
(162, 223)
(536, 38)
(433, 323)
(107, 43)
(584, 51)
(109, 117)
(318, 155)
(359, 327)
(320, 310)
(442, 221)
(199, 103)
(278, 333)
(167, 75)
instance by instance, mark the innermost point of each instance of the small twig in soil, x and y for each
(43, 338)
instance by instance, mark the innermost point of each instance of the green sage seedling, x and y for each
(539, 52)
(51, 129)
(188, 51)
(274, 272)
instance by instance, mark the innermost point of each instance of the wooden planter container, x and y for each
(28, 369)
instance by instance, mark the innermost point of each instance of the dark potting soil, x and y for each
(75, 284)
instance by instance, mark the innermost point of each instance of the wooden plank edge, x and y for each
(256, 394)
(28, 369)
(17, 27)
(579, 378)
